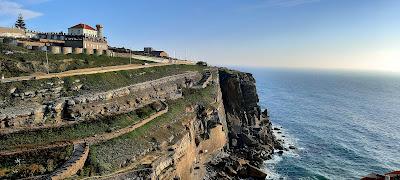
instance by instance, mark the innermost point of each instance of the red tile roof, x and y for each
(394, 172)
(83, 26)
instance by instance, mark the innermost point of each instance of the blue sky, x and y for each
(333, 34)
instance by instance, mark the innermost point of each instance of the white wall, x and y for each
(81, 31)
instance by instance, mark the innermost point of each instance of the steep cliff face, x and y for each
(249, 130)
(200, 134)
(213, 128)
(225, 137)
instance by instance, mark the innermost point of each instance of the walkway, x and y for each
(92, 139)
(74, 164)
(87, 71)
(81, 147)
(120, 132)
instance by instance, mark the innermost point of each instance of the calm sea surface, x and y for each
(345, 125)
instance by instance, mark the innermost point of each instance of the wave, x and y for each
(287, 140)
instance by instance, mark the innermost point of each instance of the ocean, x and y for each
(344, 125)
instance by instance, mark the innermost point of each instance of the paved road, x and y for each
(88, 71)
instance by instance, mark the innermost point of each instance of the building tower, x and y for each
(99, 28)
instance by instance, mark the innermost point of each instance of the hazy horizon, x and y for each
(316, 34)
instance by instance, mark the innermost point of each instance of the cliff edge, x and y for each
(171, 122)
(249, 130)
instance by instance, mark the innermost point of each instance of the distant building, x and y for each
(373, 177)
(80, 38)
(12, 33)
(49, 36)
(150, 51)
(85, 36)
(82, 30)
(395, 175)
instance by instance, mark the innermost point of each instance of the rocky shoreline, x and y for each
(215, 129)
(250, 133)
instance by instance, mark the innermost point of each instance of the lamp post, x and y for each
(47, 61)
(186, 54)
(130, 56)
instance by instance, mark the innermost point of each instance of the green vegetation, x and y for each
(108, 156)
(96, 82)
(20, 23)
(114, 80)
(72, 132)
(22, 86)
(33, 163)
(24, 62)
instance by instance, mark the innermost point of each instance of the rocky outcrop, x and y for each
(184, 155)
(128, 98)
(205, 80)
(249, 130)
(91, 106)
(227, 141)
(226, 136)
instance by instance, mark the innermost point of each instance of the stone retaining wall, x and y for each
(128, 98)
(74, 164)
(66, 50)
(96, 105)
(147, 58)
(55, 49)
(78, 50)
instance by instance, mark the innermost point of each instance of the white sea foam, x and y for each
(288, 140)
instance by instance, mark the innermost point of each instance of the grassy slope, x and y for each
(72, 132)
(114, 80)
(99, 82)
(34, 61)
(33, 163)
(107, 156)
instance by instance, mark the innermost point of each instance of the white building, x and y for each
(12, 32)
(82, 29)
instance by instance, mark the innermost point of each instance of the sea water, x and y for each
(345, 125)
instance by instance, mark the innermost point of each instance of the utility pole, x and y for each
(47, 61)
(130, 56)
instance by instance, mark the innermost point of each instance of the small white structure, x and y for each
(82, 29)
(12, 32)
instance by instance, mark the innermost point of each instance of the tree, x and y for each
(20, 23)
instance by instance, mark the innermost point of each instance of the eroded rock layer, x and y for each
(91, 106)
(249, 130)
(213, 128)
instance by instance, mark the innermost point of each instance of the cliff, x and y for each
(248, 126)
(249, 130)
(193, 122)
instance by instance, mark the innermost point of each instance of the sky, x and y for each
(327, 34)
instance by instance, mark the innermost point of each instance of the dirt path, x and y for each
(120, 132)
(34, 148)
(93, 139)
(74, 163)
(87, 71)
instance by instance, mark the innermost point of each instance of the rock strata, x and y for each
(251, 140)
